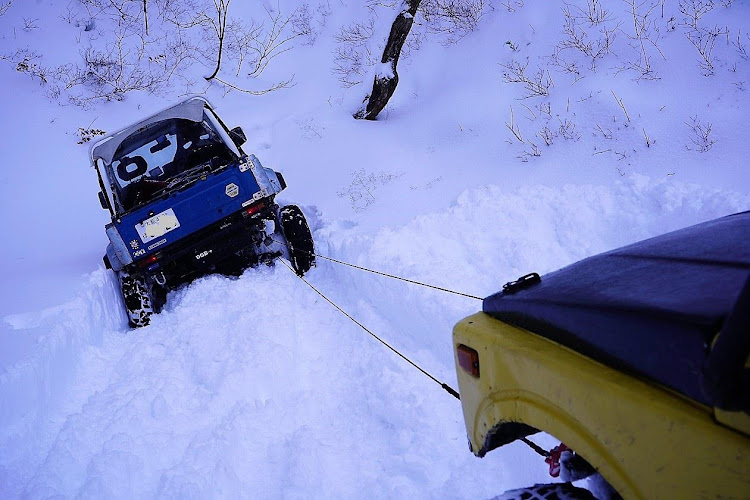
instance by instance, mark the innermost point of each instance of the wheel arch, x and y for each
(505, 416)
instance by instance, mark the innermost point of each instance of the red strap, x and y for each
(554, 459)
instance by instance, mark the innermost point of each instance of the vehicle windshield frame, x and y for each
(148, 137)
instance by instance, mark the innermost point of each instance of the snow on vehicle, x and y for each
(185, 201)
(638, 359)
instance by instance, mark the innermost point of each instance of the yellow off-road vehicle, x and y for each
(637, 359)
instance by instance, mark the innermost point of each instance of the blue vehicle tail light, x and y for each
(253, 209)
(149, 262)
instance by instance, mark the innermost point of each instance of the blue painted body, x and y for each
(195, 207)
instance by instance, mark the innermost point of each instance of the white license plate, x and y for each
(158, 225)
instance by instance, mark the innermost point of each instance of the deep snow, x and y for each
(256, 387)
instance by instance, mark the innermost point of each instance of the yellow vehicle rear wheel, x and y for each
(554, 491)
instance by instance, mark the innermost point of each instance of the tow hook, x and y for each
(160, 278)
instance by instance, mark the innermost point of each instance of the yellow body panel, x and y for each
(646, 441)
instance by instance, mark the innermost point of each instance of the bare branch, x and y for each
(704, 41)
(220, 26)
(619, 101)
(536, 85)
(514, 128)
(701, 138)
(272, 44)
(5, 6)
(741, 47)
(453, 18)
(272, 88)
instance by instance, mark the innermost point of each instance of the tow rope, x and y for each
(381, 273)
(538, 449)
(445, 386)
(395, 277)
(541, 451)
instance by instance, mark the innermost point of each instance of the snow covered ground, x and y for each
(256, 387)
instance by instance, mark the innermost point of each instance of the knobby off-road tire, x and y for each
(555, 491)
(138, 299)
(299, 238)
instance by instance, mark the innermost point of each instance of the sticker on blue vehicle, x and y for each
(158, 225)
(158, 243)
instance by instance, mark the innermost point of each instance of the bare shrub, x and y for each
(590, 31)
(704, 40)
(513, 127)
(643, 39)
(349, 64)
(29, 24)
(741, 47)
(307, 23)
(701, 137)
(119, 67)
(545, 109)
(242, 37)
(357, 34)
(271, 42)
(622, 106)
(607, 134)
(577, 38)
(361, 190)
(302, 24)
(28, 62)
(694, 10)
(252, 42)
(532, 151)
(594, 13)
(353, 54)
(310, 130)
(649, 141)
(87, 134)
(536, 85)
(567, 130)
(152, 45)
(512, 5)
(547, 135)
(453, 18)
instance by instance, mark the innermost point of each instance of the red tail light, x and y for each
(468, 359)
(253, 209)
(151, 259)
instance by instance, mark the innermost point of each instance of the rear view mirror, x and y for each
(238, 136)
(103, 201)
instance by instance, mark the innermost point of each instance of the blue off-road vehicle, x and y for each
(186, 201)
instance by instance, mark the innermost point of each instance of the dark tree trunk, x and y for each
(386, 79)
(145, 15)
(220, 28)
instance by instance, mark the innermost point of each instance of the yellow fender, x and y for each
(647, 441)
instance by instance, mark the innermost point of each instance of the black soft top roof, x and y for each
(651, 308)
